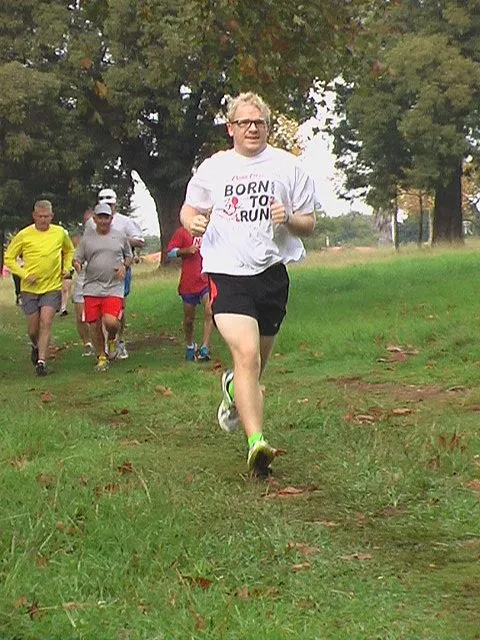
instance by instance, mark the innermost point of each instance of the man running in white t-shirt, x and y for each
(261, 201)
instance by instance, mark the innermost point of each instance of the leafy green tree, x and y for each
(410, 104)
(46, 149)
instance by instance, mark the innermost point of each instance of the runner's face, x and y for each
(248, 130)
(42, 219)
(103, 223)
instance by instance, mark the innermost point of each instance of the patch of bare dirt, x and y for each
(410, 393)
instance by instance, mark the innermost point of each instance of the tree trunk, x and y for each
(383, 224)
(395, 235)
(447, 214)
(420, 221)
(2, 250)
(168, 203)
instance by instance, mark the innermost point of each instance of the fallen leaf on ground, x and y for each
(112, 487)
(303, 548)
(451, 443)
(46, 396)
(164, 391)
(33, 609)
(327, 523)
(129, 443)
(433, 463)
(143, 607)
(20, 602)
(301, 567)
(402, 411)
(126, 467)
(19, 462)
(246, 593)
(289, 492)
(197, 581)
(46, 480)
(474, 485)
(357, 556)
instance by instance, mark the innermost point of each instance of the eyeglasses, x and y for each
(245, 124)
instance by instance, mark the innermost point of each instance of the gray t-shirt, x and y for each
(102, 255)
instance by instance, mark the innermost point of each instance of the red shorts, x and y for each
(95, 307)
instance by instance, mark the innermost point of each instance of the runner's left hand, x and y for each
(278, 213)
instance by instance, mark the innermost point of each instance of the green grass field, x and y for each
(127, 514)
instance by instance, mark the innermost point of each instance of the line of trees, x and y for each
(409, 106)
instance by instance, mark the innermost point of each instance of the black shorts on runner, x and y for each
(262, 296)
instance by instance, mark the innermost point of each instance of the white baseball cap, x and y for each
(107, 195)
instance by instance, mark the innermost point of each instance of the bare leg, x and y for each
(188, 320)
(82, 327)
(243, 339)
(46, 316)
(121, 329)
(266, 346)
(112, 326)
(207, 320)
(66, 284)
(33, 324)
(96, 329)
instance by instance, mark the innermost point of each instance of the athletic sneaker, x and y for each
(63, 313)
(203, 354)
(112, 349)
(122, 353)
(88, 350)
(40, 369)
(259, 458)
(227, 413)
(34, 355)
(190, 353)
(102, 364)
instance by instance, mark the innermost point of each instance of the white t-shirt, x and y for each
(240, 238)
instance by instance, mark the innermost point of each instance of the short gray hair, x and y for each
(248, 98)
(44, 205)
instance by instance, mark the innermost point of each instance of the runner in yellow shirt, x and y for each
(47, 252)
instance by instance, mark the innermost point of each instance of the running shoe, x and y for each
(227, 413)
(34, 355)
(112, 349)
(63, 313)
(190, 353)
(259, 458)
(88, 350)
(40, 369)
(203, 354)
(102, 364)
(122, 353)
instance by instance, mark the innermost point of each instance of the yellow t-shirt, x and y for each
(45, 254)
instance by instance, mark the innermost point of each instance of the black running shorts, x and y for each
(262, 296)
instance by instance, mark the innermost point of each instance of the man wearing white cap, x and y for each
(134, 234)
(106, 254)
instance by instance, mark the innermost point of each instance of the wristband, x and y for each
(173, 253)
